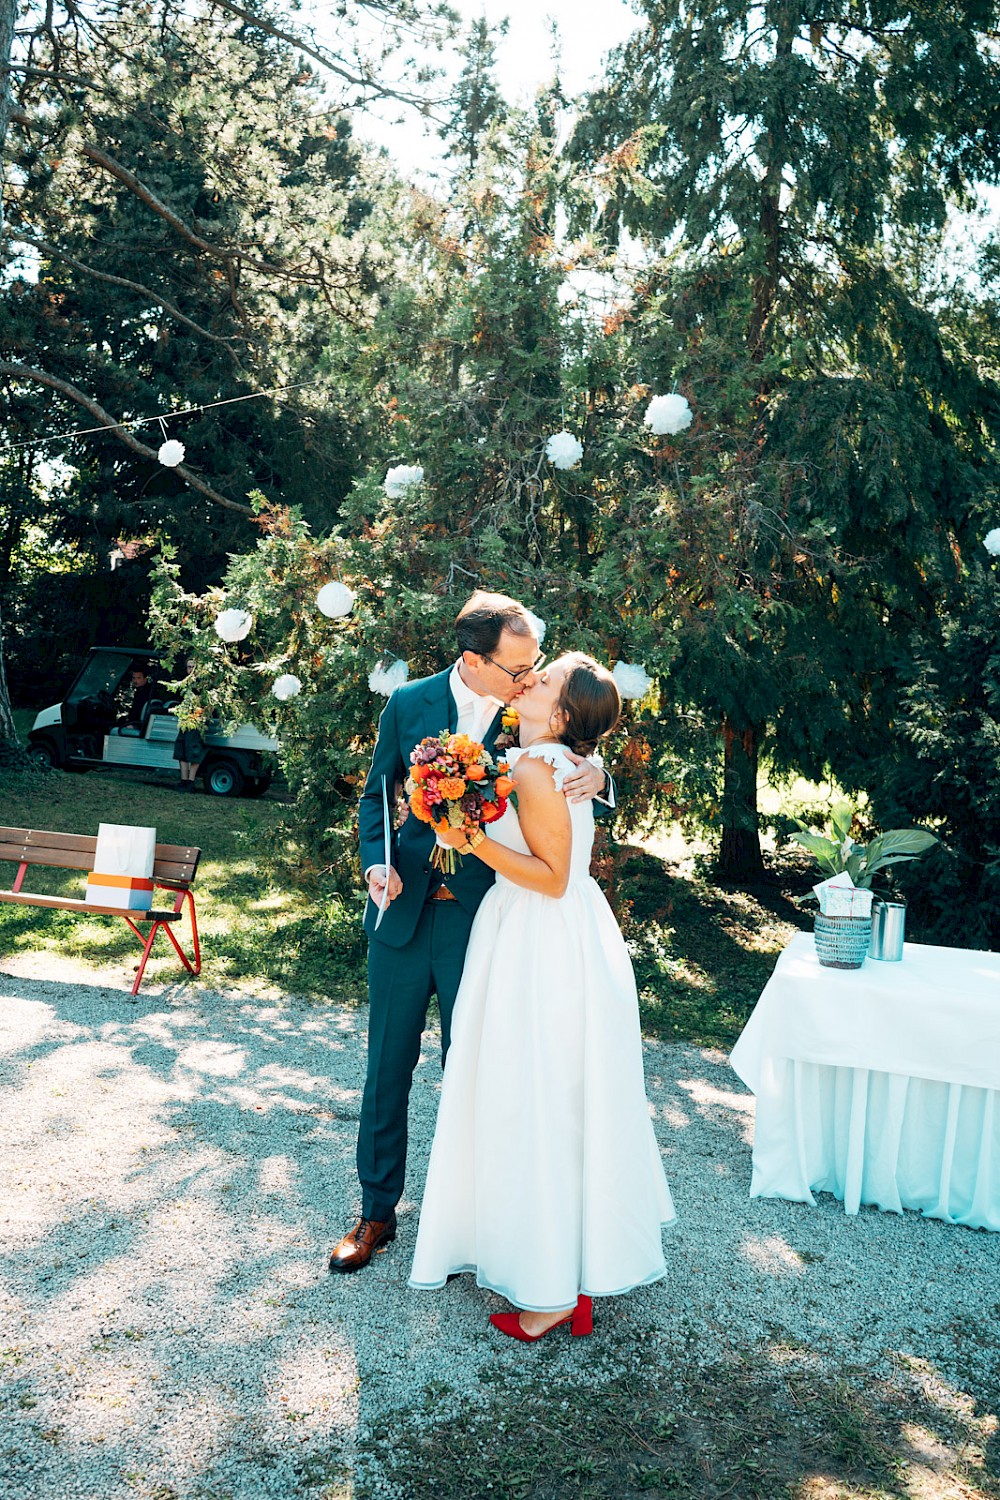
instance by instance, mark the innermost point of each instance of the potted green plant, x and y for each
(842, 941)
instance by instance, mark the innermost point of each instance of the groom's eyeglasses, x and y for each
(536, 666)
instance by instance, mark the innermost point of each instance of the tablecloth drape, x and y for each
(879, 1085)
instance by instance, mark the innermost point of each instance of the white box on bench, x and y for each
(123, 867)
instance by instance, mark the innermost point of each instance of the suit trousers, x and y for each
(401, 982)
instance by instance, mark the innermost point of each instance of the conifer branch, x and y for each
(55, 383)
(132, 286)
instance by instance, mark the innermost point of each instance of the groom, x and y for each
(419, 948)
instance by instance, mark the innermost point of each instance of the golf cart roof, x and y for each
(144, 651)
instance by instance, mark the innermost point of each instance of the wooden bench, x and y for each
(174, 868)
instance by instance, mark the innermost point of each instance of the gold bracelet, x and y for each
(473, 843)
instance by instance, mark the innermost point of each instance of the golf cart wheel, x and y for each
(44, 755)
(224, 779)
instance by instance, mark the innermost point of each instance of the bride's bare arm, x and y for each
(545, 823)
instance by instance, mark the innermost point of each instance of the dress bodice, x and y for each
(507, 830)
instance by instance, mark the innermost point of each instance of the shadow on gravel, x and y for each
(172, 1174)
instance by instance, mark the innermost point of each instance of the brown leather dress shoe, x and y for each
(367, 1237)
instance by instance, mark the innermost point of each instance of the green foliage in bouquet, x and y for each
(861, 861)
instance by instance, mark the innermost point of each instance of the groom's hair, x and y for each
(590, 700)
(483, 619)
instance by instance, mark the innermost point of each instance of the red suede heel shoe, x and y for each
(580, 1320)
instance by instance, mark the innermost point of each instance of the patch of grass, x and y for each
(755, 1427)
(702, 953)
(253, 927)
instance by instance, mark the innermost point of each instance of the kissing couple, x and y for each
(545, 1179)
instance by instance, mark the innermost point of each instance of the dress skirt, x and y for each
(545, 1178)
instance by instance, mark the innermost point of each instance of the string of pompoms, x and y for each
(185, 411)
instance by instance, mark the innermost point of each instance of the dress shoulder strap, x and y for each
(555, 756)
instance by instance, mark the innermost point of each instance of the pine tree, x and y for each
(942, 766)
(779, 162)
(477, 100)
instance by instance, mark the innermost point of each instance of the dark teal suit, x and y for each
(419, 949)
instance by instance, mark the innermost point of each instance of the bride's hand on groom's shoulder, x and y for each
(586, 782)
(376, 883)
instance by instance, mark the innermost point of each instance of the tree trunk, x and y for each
(8, 14)
(8, 734)
(739, 853)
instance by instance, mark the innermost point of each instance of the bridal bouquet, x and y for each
(455, 783)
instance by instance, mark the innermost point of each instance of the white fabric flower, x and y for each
(668, 414)
(233, 624)
(286, 686)
(537, 624)
(171, 453)
(335, 600)
(632, 679)
(563, 450)
(399, 479)
(991, 541)
(386, 680)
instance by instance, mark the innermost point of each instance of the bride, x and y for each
(544, 1177)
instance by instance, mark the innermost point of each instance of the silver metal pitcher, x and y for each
(888, 929)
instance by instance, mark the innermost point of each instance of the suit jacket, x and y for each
(415, 710)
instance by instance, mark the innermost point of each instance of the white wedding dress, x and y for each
(545, 1178)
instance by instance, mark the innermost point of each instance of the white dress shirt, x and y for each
(476, 711)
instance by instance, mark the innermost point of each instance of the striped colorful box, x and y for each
(129, 892)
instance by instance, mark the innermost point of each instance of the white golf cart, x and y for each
(83, 731)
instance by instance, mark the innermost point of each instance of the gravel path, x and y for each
(173, 1171)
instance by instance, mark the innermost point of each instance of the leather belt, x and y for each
(442, 894)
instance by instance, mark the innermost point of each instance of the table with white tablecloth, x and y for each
(880, 1085)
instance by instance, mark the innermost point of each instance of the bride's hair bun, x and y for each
(590, 700)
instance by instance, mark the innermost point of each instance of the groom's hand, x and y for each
(586, 782)
(376, 877)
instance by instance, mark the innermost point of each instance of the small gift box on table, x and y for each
(123, 867)
(844, 924)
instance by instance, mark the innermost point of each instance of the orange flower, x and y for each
(475, 773)
(504, 786)
(418, 773)
(463, 748)
(443, 826)
(451, 788)
(417, 805)
(491, 811)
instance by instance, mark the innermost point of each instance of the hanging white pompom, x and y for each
(538, 625)
(285, 687)
(171, 453)
(386, 680)
(991, 541)
(233, 624)
(668, 414)
(399, 479)
(632, 679)
(563, 450)
(335, 600)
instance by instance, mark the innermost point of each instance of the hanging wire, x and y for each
(185, 411)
